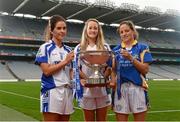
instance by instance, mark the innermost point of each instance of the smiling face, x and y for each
(126, 33)
(92, 34)
(92, 30)
(59, 31)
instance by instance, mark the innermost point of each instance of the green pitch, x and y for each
(20, 101)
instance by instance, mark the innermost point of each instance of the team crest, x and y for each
(39, 53)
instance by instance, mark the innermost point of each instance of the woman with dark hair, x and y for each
(54, 59)
(131, 64)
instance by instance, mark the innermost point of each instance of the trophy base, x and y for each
(96, 85)
(96, 82)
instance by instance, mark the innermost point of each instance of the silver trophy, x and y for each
(96, 60)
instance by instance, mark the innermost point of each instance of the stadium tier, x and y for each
(5, 74)
(23, 70)
(20, 39)
(34, 29)
(164, 72)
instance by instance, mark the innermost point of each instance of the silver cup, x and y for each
(96, 60)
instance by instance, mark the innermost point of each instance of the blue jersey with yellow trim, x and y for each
(50, 53)
(128, 72)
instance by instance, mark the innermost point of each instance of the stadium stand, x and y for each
(152, 75)
(21, 37)
(163, 73)
(20, 27)
(25, 70)
(36, 30)
(5, 74)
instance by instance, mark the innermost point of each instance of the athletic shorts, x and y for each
(95, 103)
(132, 99)
(58, 100)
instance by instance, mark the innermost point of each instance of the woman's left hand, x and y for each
(112, 84)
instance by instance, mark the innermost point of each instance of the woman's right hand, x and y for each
(83, 82)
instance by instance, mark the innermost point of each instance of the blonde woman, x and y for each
(95, 100)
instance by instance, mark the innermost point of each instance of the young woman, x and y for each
(55, 59)
(94, 100)
(131, 65)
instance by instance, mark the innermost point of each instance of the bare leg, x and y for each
(64, 118)
(121, 117)
(101, 114)
(55, 117)
(89, 115)
(140, 116)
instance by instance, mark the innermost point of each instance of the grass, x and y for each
(24, 97)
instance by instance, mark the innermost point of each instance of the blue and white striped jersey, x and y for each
(50, 53)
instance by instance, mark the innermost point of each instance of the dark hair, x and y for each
(51, 25)
(132, 27)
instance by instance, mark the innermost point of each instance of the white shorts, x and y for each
(58, 100)
(132, 99)
(95, 103)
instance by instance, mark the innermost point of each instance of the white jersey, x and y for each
(50, 53)
(96, 91)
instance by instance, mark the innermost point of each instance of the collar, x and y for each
(124, 46)
(55, 43)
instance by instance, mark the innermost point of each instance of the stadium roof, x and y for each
(102, 10)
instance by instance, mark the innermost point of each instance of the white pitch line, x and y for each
(151, 112)
(19, 95)
(26, 96)
(163, 111)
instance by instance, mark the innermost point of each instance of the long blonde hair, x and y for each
(100, 37)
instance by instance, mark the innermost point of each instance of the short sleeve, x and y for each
(41, 56)
(145, 54)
